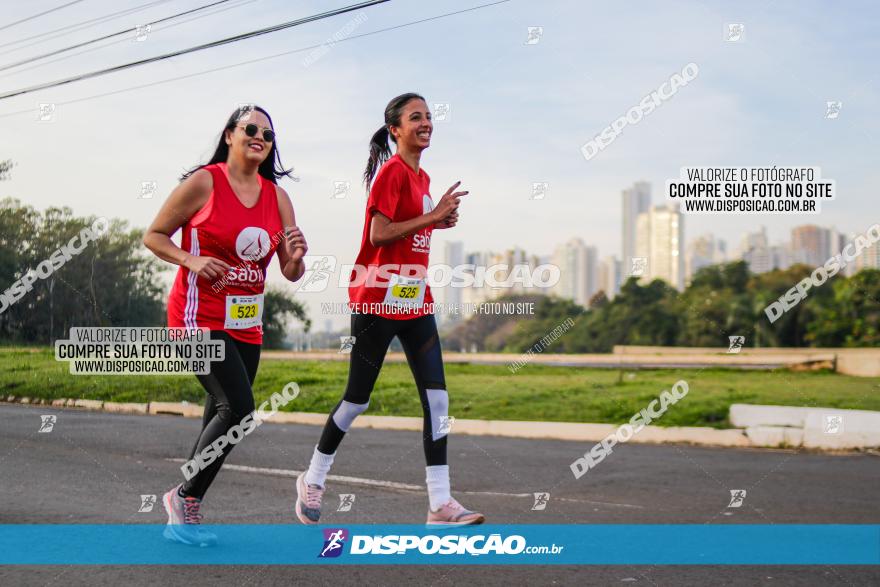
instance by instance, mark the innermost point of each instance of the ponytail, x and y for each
(380, 149)
(380, 152)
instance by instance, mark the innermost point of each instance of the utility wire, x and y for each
(12, 24)
(257, 60)
(81, 25)
(160, 29)
(226, 41)
(110, 36)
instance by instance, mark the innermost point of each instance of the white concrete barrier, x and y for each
(747, 415)
(859, 362)
(826, 428)
(842, 429)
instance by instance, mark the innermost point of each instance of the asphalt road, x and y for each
(93, 467)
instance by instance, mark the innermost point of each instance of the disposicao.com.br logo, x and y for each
(334, 541)
(430, 544)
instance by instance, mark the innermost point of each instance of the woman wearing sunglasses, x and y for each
(234, 218)
(398, 223)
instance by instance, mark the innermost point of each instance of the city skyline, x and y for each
(655, 233)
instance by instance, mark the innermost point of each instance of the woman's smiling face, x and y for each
(415, 126)
(253, 148)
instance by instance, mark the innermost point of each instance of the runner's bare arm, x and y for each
(187, 198)
(294, 246)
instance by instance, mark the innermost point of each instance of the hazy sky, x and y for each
(519, 112)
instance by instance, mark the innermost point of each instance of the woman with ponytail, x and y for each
(389, 296)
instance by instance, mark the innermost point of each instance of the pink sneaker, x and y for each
(453, 513)
(308, 501)
(184, 519)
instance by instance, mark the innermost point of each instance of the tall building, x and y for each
(448, 295)
(514, 258)
(660, 240)
(578, 271)
(543, 260)
(642, 247)
(703, 251)
(811, 244)
(481, 293)
(635, 200)
(754, 249)
(490, 281)
(868, 259)
(760, 256)
(610, 276)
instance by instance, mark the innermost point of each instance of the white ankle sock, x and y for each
(318, 468)
(437, 479)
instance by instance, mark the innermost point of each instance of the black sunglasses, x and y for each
(252, 129)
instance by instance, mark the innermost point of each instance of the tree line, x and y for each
(111, 281)
(721, 301)
(115, 281)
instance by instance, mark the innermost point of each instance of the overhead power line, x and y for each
(165, 27)
(12, 24)
(218, 43)
(78, 26)
(257, 60)
(110, 36)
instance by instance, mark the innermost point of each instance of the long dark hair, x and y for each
(380, 150)
(271, 168)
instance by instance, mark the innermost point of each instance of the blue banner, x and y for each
(603, 544)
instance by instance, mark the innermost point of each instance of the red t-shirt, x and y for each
(246, 239)
(401, 194)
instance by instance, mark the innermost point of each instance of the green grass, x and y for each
(535, 392)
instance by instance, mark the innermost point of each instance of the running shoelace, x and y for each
(313, 497)
(457, 507)
(191, 513)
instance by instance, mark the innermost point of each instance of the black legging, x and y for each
(421, 343)
(230, 398)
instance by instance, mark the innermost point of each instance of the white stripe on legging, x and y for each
(192, 290)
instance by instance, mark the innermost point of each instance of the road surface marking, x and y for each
(399, 486)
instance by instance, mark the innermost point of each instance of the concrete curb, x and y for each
(175, 408)
(125, 408)
(857, 362)
(760, 426)
(823, 428)
(775, 436)
(570, 431)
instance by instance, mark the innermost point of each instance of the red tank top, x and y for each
(399, 193)
(246, 239)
